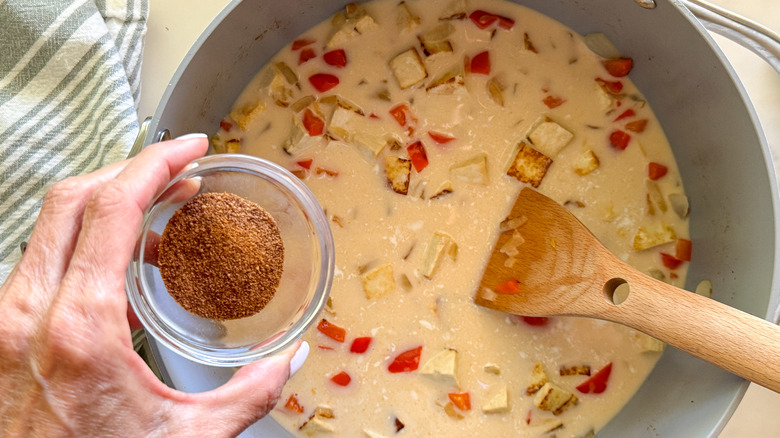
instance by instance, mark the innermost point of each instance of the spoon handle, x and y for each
(722, 335)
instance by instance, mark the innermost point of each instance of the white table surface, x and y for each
(174, 25)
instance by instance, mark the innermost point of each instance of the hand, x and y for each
(67, 364)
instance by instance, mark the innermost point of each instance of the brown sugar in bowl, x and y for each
(221, 256)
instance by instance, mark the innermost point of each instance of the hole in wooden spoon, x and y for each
(616, 290)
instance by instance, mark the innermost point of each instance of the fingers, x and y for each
(113, 216)
(252, 392)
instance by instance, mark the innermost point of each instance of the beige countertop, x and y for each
(174, 25)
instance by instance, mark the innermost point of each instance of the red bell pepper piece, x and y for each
(337, 58)
(509, 287)
(619, 67)
(461, 400)
(341, 379)
(483, 20)
(683, 250)
(627, 113)
(637, 125)
(480, 63)
(313, 124)
(597, 383)
(323, 82)
(306, 54)
(440, 138)
(418, 156)
(536, 321)
(331, 330)
(553, 101)
(224, 124)
(619, 139)
(656, 170)
(406, 362)
(306, 164)
(301, 43)
(360, 345)
(613, 87)
(670, 261)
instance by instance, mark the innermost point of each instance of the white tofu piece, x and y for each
(473, 170)
(342, 35)
(365, 24)
(372, 434)
(529, 166)
(379, 281)
(538, 379)
(552, 398)
(406, 20)
(455, 10)
(318, 422)
(221, 146)
(398, 171)
(657, 233)
(352, 127)
(443, 189)
(496, 400)
(343, 122)
(408, 68)
(548, 137)
(654, 197)
(544, 426)
(450, 82)
(245, 114)
(442, 367)
(300, 140)
(586, 163)
(434, 252)
(436, 40)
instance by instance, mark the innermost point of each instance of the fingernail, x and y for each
(299, 358)
(192, 136)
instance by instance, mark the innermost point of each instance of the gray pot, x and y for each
(713, 130)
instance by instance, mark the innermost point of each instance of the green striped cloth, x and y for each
(69, 86)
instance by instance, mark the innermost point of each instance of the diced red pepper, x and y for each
(293, 404)
(619, 139)
(306, 164)
(461, 400)
(619, 67)
(323, 82)
(418, 156)
(301, 43)
(509, 287)
(670, 261)
(314, 125)
(306, 54)
(399, 113)
(480, 63)
(341, 379)
(684, 249)
(536, 321)
(224, 124)
(373, 116)
(440, 138)
(360, 345)
(637, 126)
(553, 101)
(337, 58)
(656, 170)
(331, 330)
(613, 87)
(483, 20)
(597, 383)
(406, 362)
(627, 113)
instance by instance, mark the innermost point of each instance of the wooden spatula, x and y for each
(562, 269)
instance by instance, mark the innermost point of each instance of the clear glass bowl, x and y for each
(303, 289)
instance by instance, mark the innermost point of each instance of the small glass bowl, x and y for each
(303, 289)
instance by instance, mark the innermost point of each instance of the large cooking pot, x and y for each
(713, 130)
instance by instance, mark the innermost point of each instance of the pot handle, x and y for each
(756, 37)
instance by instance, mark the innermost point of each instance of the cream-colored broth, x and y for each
(374, 226)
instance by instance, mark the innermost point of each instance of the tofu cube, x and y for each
(343, 123)
(455, 10)
(408, 68)
(586, 163)
(229, 146)
(444, 188)
(406, 19)
(538, 379)
(552, 398)
(300, 140)
(348, 125)
(379, 281)
(398, 172)
(652, 235)
(530, 166)
(549, 137)
(442, 367)
(449, 82)
(372, 434)
(437, 248)
(435, 40)
(318, 422)
(245, 114)
(496, 400)
(544, 426)
(473, 170)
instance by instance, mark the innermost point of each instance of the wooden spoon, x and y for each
(562, 269)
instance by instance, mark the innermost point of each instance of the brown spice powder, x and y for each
(221, 256)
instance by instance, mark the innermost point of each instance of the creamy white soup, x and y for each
(416, 124)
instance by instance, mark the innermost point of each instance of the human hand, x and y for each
(67, 363)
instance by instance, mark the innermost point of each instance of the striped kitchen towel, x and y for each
(69, 86)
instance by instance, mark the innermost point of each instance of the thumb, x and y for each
(251, 393)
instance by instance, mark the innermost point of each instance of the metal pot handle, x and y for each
(754, 36)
